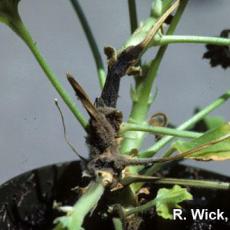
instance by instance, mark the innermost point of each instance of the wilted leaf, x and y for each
(216, 142)
(168, 199)
(219, 55)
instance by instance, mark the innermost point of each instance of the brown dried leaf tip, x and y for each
(219, 55)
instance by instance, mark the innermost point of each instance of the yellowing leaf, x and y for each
(168, 199)
(216, 145)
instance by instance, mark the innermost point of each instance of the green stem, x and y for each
(156, 167)
(21, 30)
(141, 208)
(159, 130)
(117, 224)
(140, 107)
(187, 124)
(185, 182)
(84, 205)
(91, 41)
(170, 39)
(132, 15)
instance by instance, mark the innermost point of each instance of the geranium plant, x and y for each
(115, 162)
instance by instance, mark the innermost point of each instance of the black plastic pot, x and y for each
(26, 201)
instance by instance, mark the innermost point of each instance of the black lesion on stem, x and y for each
(117, 68)
(102, 132)
(124, 63)
(105, 119)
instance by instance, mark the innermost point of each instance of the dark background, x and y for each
(31, 133)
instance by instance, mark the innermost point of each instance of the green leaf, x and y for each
(168, 199)
(216, 144)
